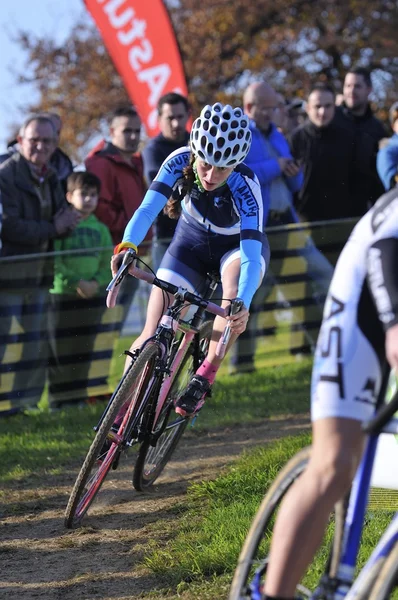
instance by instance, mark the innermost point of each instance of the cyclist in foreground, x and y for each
(220, 229)
(358, 338)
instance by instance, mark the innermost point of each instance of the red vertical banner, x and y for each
(140, 40)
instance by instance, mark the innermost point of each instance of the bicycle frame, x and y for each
(169, 323)
(354, 524)
(344, 585)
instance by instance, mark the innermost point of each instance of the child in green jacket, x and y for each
(78, 299)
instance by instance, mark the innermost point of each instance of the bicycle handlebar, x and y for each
(382, 417)
(128, 266)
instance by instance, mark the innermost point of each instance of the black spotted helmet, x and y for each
(221, 136)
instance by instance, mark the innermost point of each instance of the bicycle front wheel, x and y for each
(154, 455)
(386, 583)
(252, 563)
(111, 440)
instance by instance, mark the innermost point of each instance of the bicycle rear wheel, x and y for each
(111, 440)
(152, 459)
(253, 559)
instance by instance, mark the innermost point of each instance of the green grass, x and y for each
(45, 442)
(203, 550)
(219, 513)
(209, 525)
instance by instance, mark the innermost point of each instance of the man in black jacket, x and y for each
(355, 115)
(324, 149)
(35, 212)
(173, 115)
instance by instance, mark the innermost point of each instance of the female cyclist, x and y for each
(220, 228)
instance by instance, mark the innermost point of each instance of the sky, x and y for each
(37, 17)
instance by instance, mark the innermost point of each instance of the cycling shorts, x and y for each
(347, 370)
(194, 252)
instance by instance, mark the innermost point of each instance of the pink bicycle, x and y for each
(157, 376)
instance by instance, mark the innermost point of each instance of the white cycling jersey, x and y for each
(362, 303)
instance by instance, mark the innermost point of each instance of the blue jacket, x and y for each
(387, 162)
(266, 167)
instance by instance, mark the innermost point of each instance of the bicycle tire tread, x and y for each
(274, 495)
(101, 435)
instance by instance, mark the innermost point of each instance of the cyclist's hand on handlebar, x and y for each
(116, 262)
(238, 321)
(119, 257)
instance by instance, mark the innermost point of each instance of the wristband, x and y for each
(123, 246)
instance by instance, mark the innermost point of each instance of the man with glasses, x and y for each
(270, 157)
(280, 177)
(35, 212)
(60, 161)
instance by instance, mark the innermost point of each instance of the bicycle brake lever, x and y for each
(235, 307)
(113, 286)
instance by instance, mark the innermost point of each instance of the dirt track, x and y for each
(41, 559)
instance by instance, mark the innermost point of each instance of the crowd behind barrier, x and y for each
(315, 161)
(72, 345)
(288, 320)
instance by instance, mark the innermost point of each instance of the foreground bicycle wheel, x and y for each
(386, 582)
(253, 559)
(152, 459)
(110, 442)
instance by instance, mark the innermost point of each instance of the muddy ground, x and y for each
(39, 558)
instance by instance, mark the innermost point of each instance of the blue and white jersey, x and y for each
(233, 209)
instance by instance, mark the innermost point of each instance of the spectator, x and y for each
(78, 295)
(119, 167)
(35, 213)
(59, 161)
(323, 148)
(387, 157)
(173, 115)
(270, 156)
(280, 177)
(355, 114)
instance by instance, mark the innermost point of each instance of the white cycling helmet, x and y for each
(221, 135)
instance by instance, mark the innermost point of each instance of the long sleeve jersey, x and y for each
(234, 209)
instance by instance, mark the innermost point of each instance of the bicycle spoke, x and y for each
(112, 440)
(152, 459)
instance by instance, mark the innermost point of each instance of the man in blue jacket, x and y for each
(270, 157)
(280, 177)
